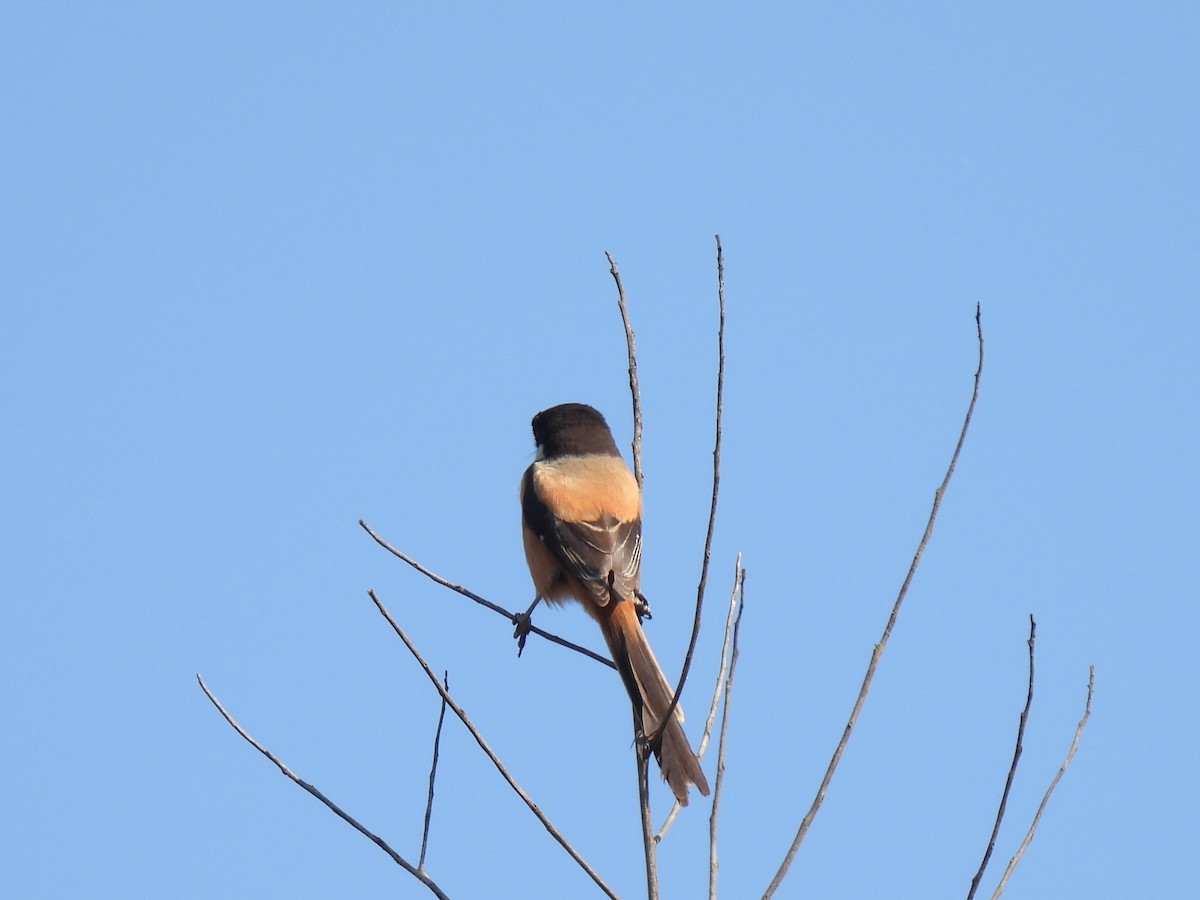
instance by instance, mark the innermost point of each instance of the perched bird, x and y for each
(581, 512)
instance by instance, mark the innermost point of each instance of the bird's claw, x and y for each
(522, 624)
(641, 606)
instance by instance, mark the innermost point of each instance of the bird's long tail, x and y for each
(651, 696)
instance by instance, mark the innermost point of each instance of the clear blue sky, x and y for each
(268, 269)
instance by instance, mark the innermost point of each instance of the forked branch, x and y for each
(418, 872)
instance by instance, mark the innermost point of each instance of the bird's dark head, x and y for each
(572, 429)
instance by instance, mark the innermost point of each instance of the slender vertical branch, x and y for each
(415, 871)
(1012, 769)
(887, 631)
(719, 780)
(641, 752)
(1087, 711)
(491, 754)
(437, 740)
(716, 483)
(735, 596)
(634, 390)
(641, 745)
(718, 686)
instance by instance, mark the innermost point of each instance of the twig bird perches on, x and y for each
(582, 526)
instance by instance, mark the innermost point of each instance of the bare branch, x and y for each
(483, 745)
(437, 741)
(496, 608)
(634, 390)
(734, 605)
(716, 483)
(417, 872)
(1012, 769)
(719, 781)
(1087, 711)
(717, 687)
(887, 631)
(641, 751)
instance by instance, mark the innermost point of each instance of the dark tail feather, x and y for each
(651, 696)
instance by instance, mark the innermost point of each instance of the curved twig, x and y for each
(887, 631)
(437, 743)
(494, 607)
(1012, 769)
(631, 351)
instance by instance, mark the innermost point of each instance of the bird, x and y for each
(581, 512)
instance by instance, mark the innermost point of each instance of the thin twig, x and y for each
(716, 484)
(437, 741)
(483, 745)
(416, 872)
(641, 752)
(667, 822)
(631, 350)
(641, 745)
(1087, 711)
(734, 603)
(496, 608)
(719, 781)
(718, 686)
(1012, 769)
(887, 631)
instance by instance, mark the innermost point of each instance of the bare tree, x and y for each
(723, 681)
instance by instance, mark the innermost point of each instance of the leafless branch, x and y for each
(717, 687)
(483, 745)
(640, 747)
(634, 390)
(641, 752)
(1012, 769)
(719, 780)
(887, 631)
(496, 608)
(716, 483)
(1087, 711)
(437, 741)
(418, 872)
(735, 596)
